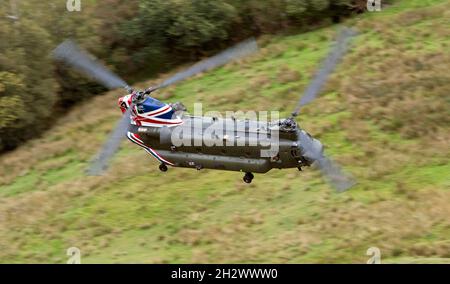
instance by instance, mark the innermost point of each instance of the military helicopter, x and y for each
(152, 124)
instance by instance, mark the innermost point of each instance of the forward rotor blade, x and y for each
(334, 175)
(238, 51)
(85, 63)
(328, 66)
(100, 163)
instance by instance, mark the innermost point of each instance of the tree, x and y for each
(27, 87)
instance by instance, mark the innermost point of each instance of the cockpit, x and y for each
(150, 104)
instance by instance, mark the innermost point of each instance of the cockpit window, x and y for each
(150, 104)
(155, 102)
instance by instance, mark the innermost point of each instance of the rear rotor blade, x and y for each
(312, 150)
(238, 51)
(100, 163)
(328, 66)
(71, 54)
(334, 174)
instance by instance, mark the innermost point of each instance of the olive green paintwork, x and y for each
(209, 143)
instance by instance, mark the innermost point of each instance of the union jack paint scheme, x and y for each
(137, 140)
(150, 112)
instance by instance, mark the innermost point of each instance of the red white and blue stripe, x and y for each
(151, 112)
(138, 141)
(157, 118)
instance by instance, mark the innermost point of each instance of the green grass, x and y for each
(135, 214)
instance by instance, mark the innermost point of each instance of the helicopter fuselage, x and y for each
(223, 144)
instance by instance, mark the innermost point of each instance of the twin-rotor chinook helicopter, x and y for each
(151, 124)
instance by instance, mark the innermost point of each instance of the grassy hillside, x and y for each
(383, 115)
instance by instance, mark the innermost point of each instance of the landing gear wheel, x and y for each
(248, 177)
(163, 168)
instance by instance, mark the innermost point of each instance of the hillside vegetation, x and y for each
(136, 38)
(383, 116)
